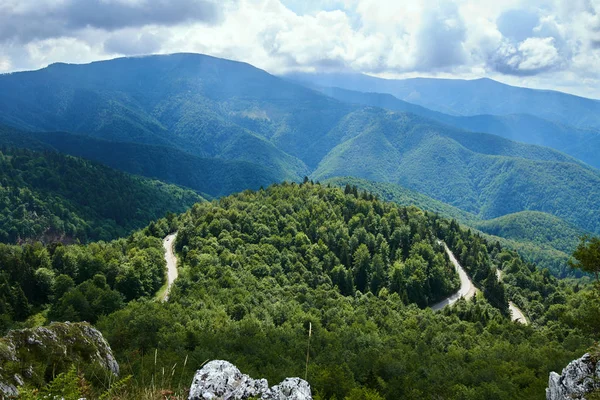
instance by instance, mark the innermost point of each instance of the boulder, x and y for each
(579, 378)
(220, 379)
(25, 353)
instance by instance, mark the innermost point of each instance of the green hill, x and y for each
(213, 176)
(400, 195)
(583, 144)
(48, 196)
(535, 227)
(540, 238)
(482, 174)
(261, 272)
(259, 269)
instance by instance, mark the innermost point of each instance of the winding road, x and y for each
(515, 312)
(467, 289)
(171, 259)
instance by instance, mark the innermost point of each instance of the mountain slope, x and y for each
(539, 238)
(49, 196)
(219, 109)
(579, 143)
(481, 174)
(535, 227)
(207, 106)
(213, 176)
(260, 270)
(470, 97)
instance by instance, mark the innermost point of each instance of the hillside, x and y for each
(213, 176)
(258, 267)
(583, 144)
(470, 97)
(48, 196)
(535, 227)
(481, 174)
(539, 238)
(405, 197)
(259, 270)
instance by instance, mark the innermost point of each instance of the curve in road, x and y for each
(515, 312)
(467, 289)
(171, 259)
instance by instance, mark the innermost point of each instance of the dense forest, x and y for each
(219, 126)
(57, 282)
(257, 268)
(52, 197)
(540, 238)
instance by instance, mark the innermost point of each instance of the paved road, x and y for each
(171, 259)
(467, 289)
(515, 312)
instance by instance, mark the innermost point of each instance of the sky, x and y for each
(547, 44)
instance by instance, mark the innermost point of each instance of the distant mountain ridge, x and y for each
(583, 144)
(470, 97)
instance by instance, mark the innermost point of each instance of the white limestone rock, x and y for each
(220, 379)
(290, 389)
(579, 378)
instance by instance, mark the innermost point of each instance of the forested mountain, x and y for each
(52, 197)
(583, 144)
(220, 126)
(207, 106)
(482, 174)
(212, 176)
(258, 267)
(470, 97)
(540, 238)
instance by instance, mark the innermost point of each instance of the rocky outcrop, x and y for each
(222, 380)
(26, 355)
(580, 377)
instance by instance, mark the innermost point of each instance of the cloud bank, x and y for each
(546, 43)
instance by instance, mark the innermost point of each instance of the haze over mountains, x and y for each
(470, 97)
(219, 126)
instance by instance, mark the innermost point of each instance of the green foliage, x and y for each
(80, 282)
(540, 238)
(51, 197)
(587, 256)
(65, 386)
(258, 267)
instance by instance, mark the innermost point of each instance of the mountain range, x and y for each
(219, 126)
(470, 97)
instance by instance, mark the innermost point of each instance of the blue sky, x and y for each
(551, 44)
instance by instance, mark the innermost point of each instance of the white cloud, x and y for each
(545, 43)
(538, 54)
